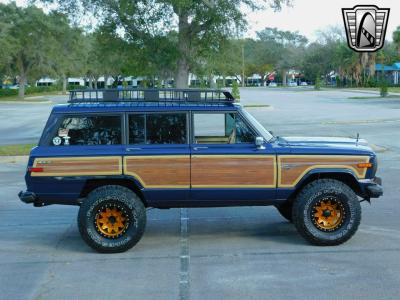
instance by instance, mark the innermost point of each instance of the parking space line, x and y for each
(184, 277)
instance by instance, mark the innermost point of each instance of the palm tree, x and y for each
(396, 39)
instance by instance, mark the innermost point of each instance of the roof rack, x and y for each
(150, 95)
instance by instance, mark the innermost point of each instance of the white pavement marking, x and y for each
(184, 278)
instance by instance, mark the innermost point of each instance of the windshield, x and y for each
(265, 133)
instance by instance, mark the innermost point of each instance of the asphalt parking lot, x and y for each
(211, 253)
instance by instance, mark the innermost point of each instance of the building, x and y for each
(391, 73)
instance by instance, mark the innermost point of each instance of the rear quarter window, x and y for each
(88, 130)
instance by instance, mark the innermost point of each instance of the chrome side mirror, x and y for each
(260, 143)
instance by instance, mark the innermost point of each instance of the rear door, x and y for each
(158, 155)
(226, 165)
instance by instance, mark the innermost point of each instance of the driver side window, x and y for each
(221, 128)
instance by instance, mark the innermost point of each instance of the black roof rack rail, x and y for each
(150, 95)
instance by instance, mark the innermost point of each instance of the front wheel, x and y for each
(326, 212)
(112, 219)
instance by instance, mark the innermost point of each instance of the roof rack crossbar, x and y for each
(150, 95)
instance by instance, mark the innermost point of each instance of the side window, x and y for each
(221, 128)
(244, 134)
(157, 129)
(136, 129)
(88, 130)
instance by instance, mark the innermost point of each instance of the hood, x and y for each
(328, 144)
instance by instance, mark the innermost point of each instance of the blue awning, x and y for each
(394, 67)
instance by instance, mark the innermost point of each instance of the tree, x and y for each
(6, 46)
(260, 57)
(287, 47)
(396, 39)
(71, 51)
(33, 41)
(198, 25)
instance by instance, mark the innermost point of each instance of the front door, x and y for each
(226, 165)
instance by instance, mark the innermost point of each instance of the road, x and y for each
(215, 253)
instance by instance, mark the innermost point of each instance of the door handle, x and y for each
(200, 148)
(133, 149)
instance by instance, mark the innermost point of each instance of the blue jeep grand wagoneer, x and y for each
(116, 152)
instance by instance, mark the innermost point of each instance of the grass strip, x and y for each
(13, 150)
(256, 105)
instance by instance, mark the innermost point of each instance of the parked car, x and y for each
(303, 83)
(272, 84)
(292, 83)
(116, 153)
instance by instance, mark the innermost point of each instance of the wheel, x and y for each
(326, 212)
(112, 219)
(285, 210)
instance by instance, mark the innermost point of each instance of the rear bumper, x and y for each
(372, 187)
(27, 197)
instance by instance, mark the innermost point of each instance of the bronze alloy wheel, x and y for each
(328, 214)
(111, 221)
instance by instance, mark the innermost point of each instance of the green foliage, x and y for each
(71, 87)
(317, 85)
(175, 36)
(172, 36)
(383, 88)
(21, 149)
(30, 90)
(37, 48)
(283, 49)
(8, 92)
(235, 91)
(396, 40)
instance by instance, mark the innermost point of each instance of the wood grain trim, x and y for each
(292, 168)
(78, 166)
(233, 171)
(161, 171)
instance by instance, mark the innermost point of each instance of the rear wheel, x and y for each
(112, 219)
(326, 212)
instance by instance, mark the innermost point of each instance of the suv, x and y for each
(116, 152)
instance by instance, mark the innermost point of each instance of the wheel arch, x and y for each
(128, 182)
(345, 176)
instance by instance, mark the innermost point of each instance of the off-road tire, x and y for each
(113, 195)
(314, 193)
(285, 210)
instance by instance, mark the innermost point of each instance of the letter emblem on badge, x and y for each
(365, 27)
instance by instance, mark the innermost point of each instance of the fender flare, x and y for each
(349, 178)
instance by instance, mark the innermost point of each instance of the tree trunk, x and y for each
(22, 83)
(211, 81)
(90, 82)
(64, 84)
(284, 77)
(182, 72)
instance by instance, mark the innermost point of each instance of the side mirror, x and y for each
(260, 143)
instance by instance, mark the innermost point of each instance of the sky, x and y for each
(309, 16)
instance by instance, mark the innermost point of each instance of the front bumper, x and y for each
(27, 197)
(373, 188)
